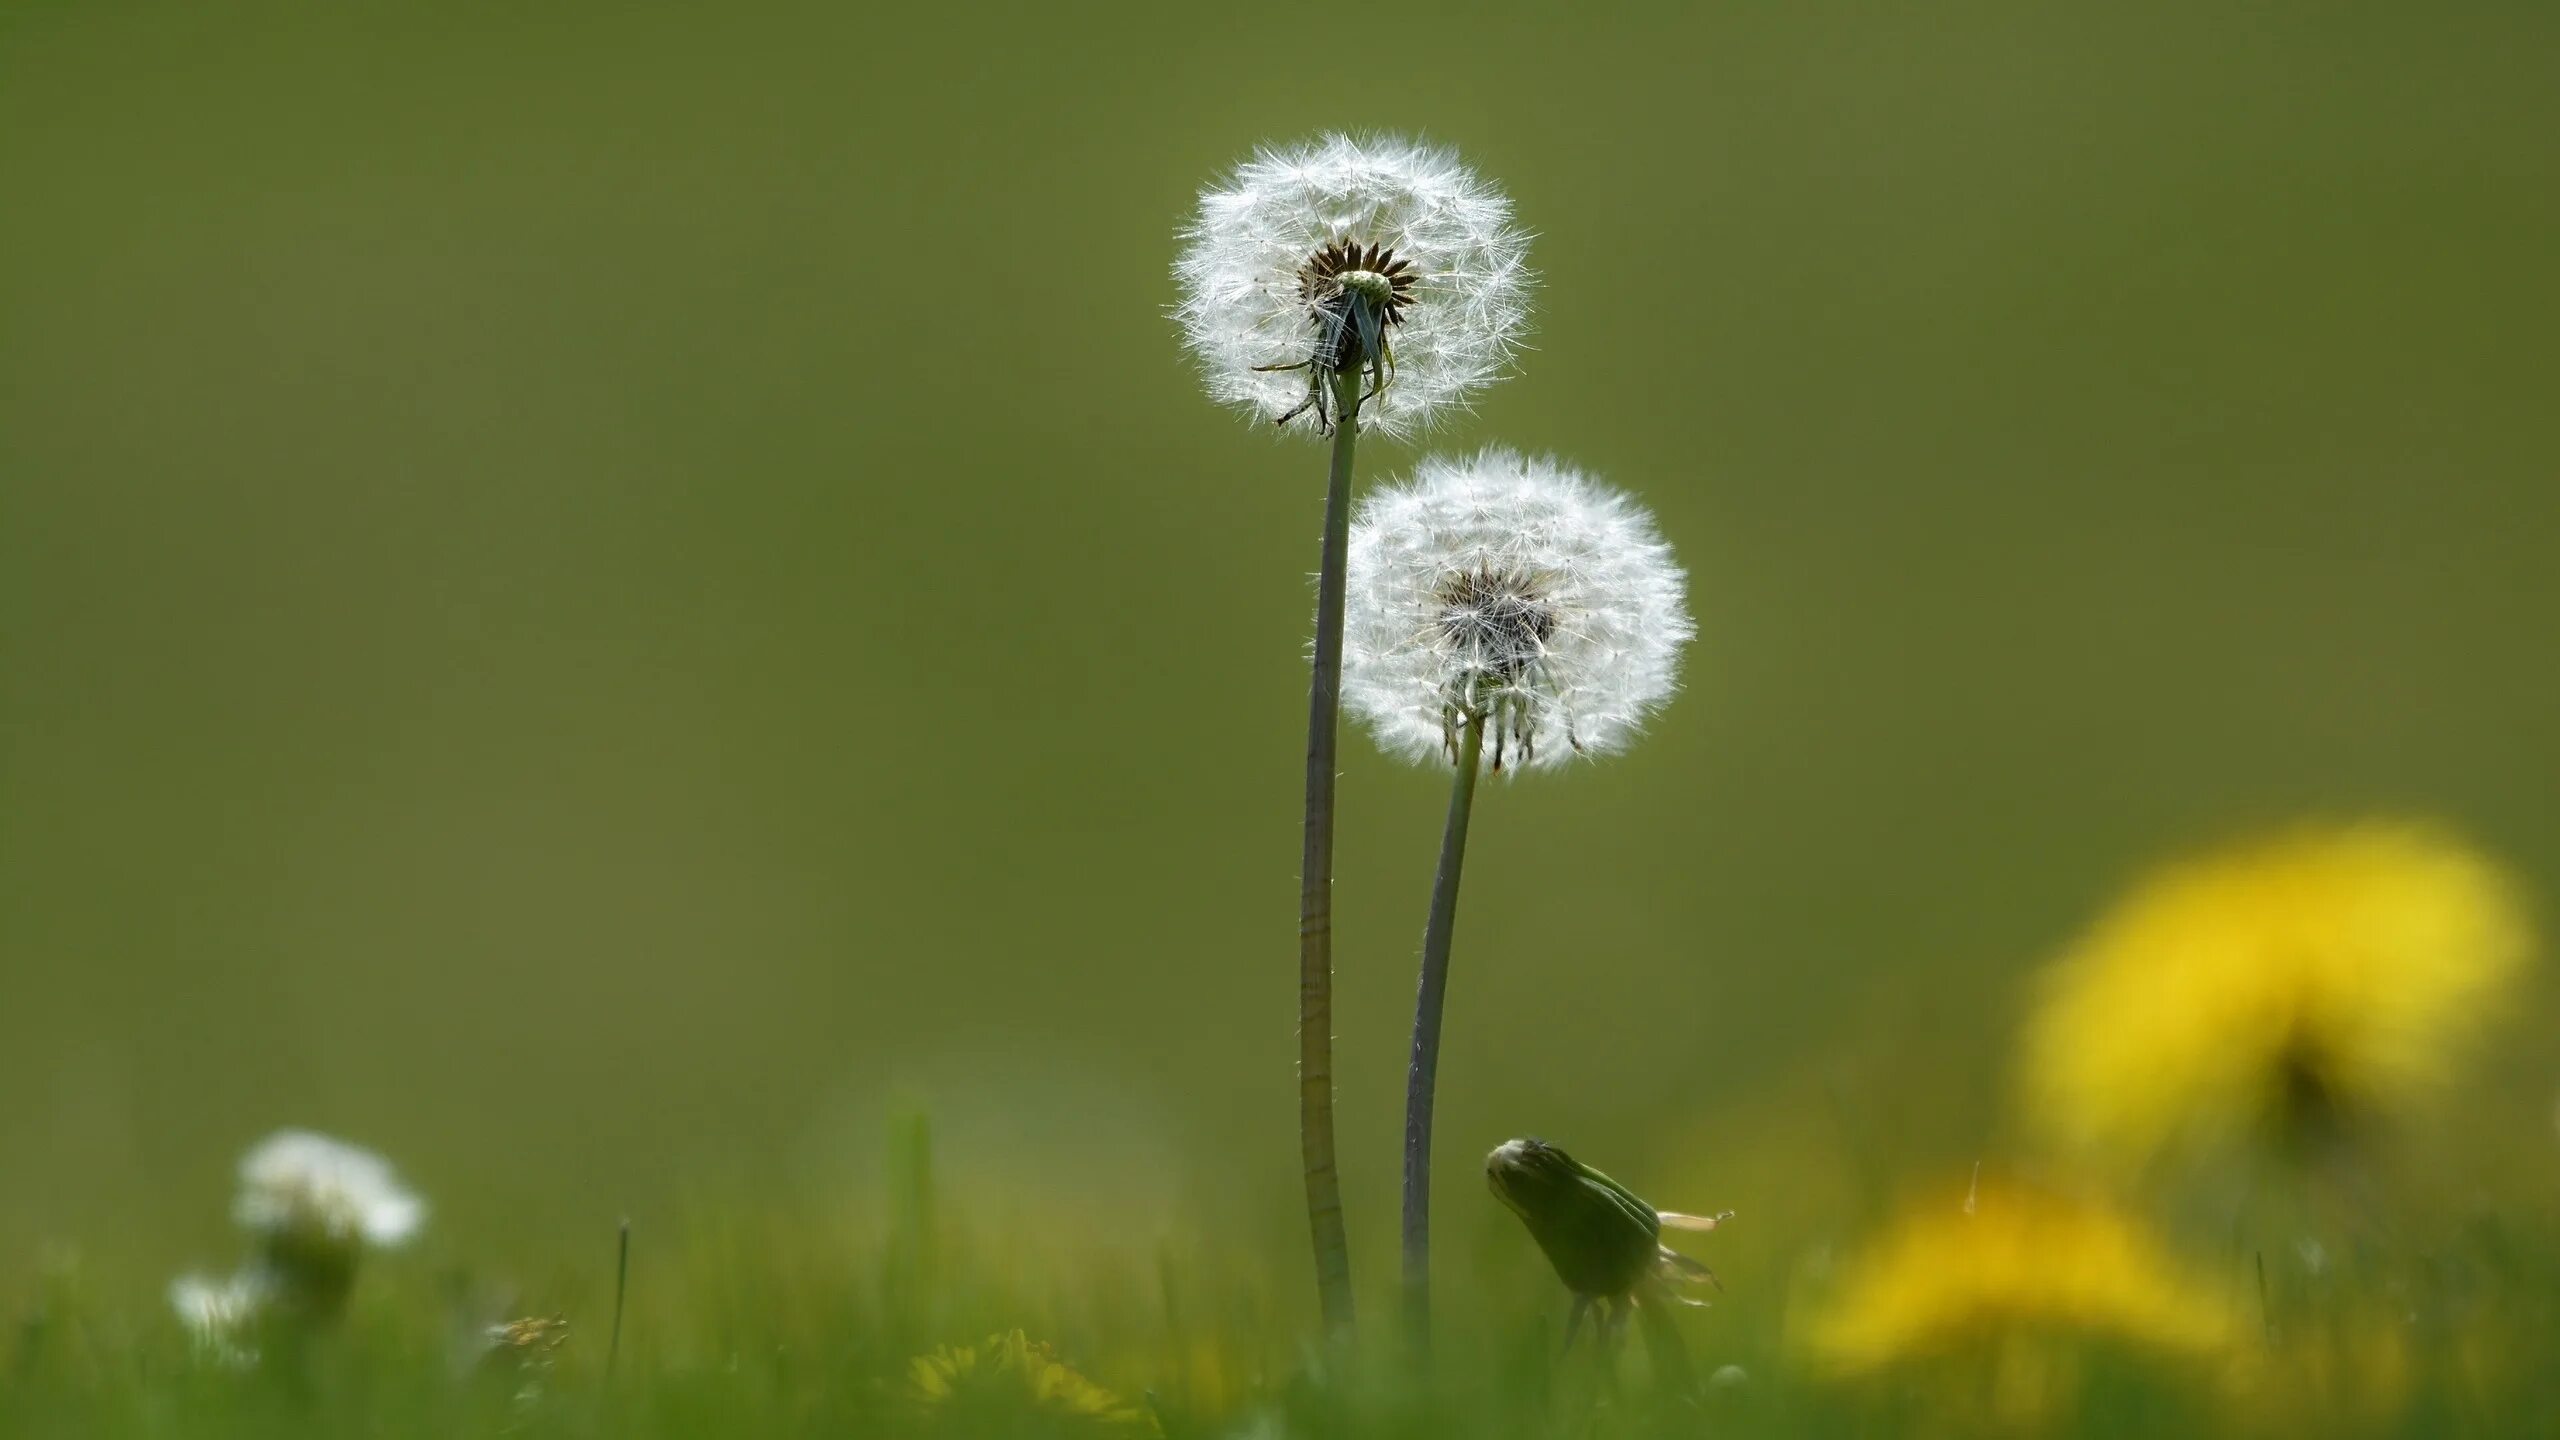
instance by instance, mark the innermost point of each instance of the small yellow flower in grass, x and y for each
(1014, 1385)
(521, 1352)
(2019, 1266)
(2285, 990)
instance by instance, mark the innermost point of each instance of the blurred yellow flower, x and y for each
(2275, 990)
(2014, 1264)
(1197, 1378)
(2347, 1373)
(1012, 1384)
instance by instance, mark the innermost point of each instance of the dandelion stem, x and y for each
(1315, 883)
(621, 1288)
(2266, 1312)
(1420, 1079)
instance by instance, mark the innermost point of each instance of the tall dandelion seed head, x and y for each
(1514, 591)
(300, 1185)
(1373, 255)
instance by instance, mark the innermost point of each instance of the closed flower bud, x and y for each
(1604, 1242)
(1600, 1238)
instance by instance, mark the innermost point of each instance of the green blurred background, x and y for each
(598, 595)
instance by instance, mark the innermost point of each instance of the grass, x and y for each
(2440, 1317)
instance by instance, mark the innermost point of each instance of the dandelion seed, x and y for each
(2291, 990)
(1517, 592)
(1373, 257)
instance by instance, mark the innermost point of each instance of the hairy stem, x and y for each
(1420, 1080)
(1315, 884)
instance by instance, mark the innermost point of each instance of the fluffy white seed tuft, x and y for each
(295, 1182)
(1515, 589)
(1243, 310)
(220, 1314)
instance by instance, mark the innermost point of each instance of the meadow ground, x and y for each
(934, 1315)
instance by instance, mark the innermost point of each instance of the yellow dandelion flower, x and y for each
(2018, 1264)
(1013, 1384)
(2278, 989)
(2347, 1373)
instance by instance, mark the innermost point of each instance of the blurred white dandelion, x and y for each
(312, 1206)
(1515, 591)
(219, 1314)
(305, 1184)
(1376, 255)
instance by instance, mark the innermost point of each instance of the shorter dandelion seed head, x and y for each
(310, 1188)
(1513, 592)
(1375, 256)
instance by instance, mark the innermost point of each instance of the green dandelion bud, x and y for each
(1599, 1236)
(1605, 1244)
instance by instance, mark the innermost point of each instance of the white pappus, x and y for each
(295, 1181)
(1517, 591)
(1375, 255)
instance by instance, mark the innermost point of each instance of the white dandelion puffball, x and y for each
(220, 1315)
(296, 1182)
(1272, 263)
(1514, 591)
(216, 1311)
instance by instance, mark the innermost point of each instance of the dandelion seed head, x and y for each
(1277, 246)
(2289, 989)
(1517, 590)
(300, 1184)
(219, 1314)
